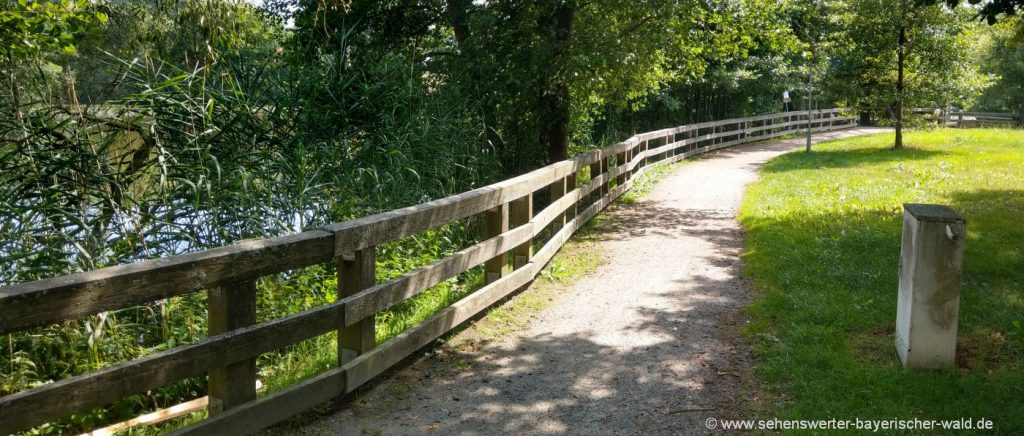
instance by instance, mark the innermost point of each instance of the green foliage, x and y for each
(1001, 54)
(823, 247)
(33, 27)
(939, 67)
(532, 72)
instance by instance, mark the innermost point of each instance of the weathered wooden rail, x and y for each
(229, 276)
(981, 119)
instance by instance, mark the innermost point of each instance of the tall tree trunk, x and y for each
(457, 16)
(900, 55)
(555, 128)
(555, 99)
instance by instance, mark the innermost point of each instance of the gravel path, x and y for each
(645, 345)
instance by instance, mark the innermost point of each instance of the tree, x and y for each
(539, 73)
(1002, 55)
(900, 53)
(30, 29)
(992, 11)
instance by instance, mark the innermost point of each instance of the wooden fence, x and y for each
(229, 276)
(981, 119)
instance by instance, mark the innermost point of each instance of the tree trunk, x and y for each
(900, 55)
(555, 99)
(457, 15)
(555, 128)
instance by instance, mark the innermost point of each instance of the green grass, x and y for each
(823, 247)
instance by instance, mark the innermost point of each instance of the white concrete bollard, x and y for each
(928, 308)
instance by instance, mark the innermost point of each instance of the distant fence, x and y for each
(981, 119)
(955, 118)
(228, 274)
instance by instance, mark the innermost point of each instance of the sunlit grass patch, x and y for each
(823, 246)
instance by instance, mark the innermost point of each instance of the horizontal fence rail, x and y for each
(229, 275)
(980, 119)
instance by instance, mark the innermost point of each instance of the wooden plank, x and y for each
(581, 161)
(374, 230)
(356, 272)
(385, 295)
(570, 185)
(555, 211)
(628, 163)
(231, 307)
(74, 296)
(619, 147)
(274, 407)
(556, 190)
(153, 418)
(520, 213)
(620, 160)
(604, 171)
(393, 351)
(495, 224)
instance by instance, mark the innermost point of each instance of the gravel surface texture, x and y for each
(647, 344)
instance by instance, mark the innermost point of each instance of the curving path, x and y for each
(644, 345)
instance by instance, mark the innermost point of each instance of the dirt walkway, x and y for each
(645, 345)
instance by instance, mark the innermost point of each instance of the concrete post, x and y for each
(929, 291)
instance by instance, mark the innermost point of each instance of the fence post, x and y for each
(571, 181)
(496, 223)
(621, 159)
(520, 213)
(557, 190)
(640, 148)
(356, 271)
(231, 307)
(627, 159)
(604, 170)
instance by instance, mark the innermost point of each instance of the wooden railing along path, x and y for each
(980, 119)
(229, 276)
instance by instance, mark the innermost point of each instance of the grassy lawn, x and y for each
(823, 249)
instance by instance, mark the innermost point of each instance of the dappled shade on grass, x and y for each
(823, 248)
